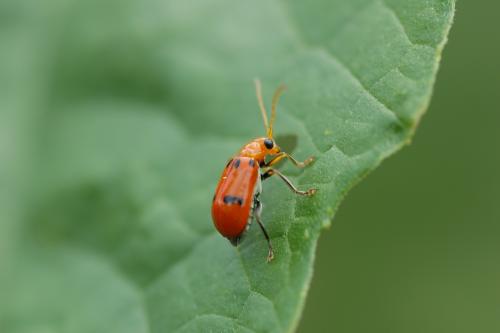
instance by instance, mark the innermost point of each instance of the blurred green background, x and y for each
(415, 247)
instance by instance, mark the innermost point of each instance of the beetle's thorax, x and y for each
(257, 150)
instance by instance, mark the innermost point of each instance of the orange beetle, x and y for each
(236, 199)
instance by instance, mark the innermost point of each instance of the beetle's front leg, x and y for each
(283, 155)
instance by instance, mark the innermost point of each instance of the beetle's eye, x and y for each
(269, 143)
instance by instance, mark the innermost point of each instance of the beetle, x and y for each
(236, 200)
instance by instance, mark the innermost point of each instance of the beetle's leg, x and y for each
(257, 212)
(272, 172)
(283, 155)
(234, 240)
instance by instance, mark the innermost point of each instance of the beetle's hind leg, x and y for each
(257, 213)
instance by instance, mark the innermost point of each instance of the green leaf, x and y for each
(125, 114)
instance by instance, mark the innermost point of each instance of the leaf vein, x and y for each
(336, 60)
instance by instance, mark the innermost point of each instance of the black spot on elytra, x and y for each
(251, 163)
(236, 164)
(231, 199)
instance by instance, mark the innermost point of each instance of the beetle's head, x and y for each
(269, 146)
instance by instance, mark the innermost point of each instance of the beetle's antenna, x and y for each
(258, 90)
(274, 105)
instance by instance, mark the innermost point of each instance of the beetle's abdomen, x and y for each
(233, 199)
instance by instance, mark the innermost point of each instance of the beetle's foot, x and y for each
(308, 161)
(270, 255)
(312, 191)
